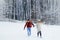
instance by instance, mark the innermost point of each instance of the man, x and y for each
(29, 24)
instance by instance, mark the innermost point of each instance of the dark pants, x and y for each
(39, 33)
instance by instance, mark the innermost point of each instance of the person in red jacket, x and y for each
(29, 24)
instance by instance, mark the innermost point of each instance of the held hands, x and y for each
(24, 28)
(33, 25)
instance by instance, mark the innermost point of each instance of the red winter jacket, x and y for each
(29, 24)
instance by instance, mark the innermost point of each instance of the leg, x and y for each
(37, 33)
(29, 31)
(40, 33)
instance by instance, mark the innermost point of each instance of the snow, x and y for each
(15, 31)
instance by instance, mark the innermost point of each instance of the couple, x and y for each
(29, 24)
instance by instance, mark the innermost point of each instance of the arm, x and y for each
(25, 25)
(33, 24)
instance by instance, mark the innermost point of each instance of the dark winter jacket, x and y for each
(29, 24)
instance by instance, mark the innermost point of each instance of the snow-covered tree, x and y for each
(48, 10)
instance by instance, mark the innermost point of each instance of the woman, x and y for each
(38, 25)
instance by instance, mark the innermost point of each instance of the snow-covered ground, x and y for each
(15, 31)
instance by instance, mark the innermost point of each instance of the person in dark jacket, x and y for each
(28, 24)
